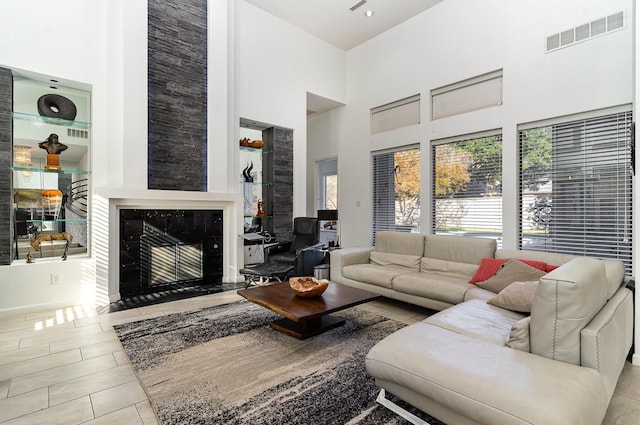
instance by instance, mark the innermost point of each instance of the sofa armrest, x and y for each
(607, 339)
(345, 257)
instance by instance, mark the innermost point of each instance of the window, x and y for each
(328, 184)
(401, 113)
(396, 190)
(576, 187)
(483, 91)
(467, 192)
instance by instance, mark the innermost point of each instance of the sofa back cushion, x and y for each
(399, 243)
(551, 258)
(433, 265)
(460, 249)
(614, 270)
(566, 300)
(395, 260)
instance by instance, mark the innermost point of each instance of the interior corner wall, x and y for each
(177, 81)
(6, 160)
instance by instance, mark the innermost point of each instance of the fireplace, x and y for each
(164, 249)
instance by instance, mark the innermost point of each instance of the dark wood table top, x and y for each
(281, 299)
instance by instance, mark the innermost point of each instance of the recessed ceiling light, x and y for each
(368, 13)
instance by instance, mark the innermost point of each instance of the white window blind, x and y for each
(469, 95)
(396, 191)
(467, 192)
(401, 113)
(576, 187)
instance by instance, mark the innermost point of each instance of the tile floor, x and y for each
(67, 366)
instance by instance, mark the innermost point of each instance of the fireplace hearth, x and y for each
(165, 249)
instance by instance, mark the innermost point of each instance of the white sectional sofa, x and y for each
(474, 362)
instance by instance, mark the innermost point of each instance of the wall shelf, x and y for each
(21, 116)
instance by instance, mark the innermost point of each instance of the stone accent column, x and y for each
(177, 80)
(6, 159)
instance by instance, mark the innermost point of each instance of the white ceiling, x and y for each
(333, 21)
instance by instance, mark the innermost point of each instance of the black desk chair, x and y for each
(303, 251)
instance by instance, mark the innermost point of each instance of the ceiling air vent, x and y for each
(586, 31)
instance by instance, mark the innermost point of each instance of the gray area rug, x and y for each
(225, 365)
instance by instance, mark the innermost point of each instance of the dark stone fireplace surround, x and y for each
(162, 249)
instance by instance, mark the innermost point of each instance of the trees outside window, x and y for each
(396, 190)
(467, 192)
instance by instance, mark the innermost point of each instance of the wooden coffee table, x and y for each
(306, 317)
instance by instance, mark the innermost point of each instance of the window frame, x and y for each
(583, 146)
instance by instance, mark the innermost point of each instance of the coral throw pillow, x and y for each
(488, 268)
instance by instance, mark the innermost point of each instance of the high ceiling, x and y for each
(335, 22)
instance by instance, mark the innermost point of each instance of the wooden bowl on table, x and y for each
(308, 287)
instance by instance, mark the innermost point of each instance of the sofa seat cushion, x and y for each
(478, 319)
(490, 383)
(374, 274)
(435, 286)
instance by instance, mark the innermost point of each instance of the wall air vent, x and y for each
(586, 31)
(72, 132)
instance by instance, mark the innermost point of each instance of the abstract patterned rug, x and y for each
(225, 365)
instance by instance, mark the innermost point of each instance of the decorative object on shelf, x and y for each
(50, 237)
(245, 142)
(246, 173)
(53, 148)
(257, 144)
(57, 106)
(51, 203)
(261, 211)
(22, 158)
(308, 287)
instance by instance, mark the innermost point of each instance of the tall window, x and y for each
(328, 184)
(467, 190)
(576, 187)
(396, 190)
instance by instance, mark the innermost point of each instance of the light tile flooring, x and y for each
(67, 366)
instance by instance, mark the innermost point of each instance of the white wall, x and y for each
(456, 40)
(102, 46)
(68, 43)
(276, 64)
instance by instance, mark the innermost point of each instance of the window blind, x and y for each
(467, 191)
(400, 113)
(576, 187)
(469, 95)
(396, 191)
